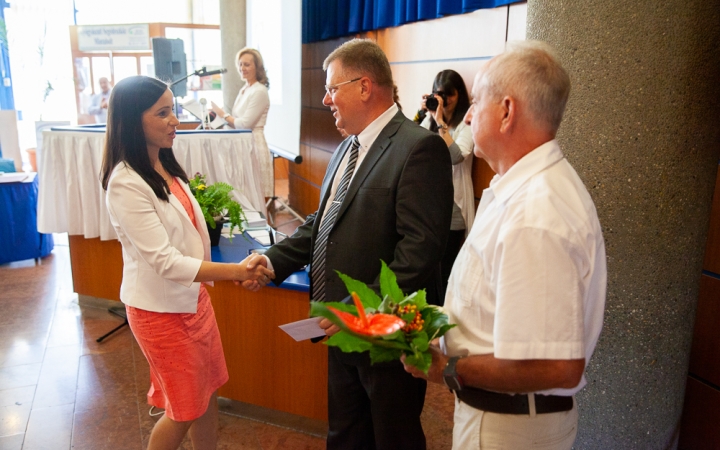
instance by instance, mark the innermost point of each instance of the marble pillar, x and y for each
(232, 33)
(641, 128)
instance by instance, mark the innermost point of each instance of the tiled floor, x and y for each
(59, 389)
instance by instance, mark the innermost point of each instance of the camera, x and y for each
(431, 103)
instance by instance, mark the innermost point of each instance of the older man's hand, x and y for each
(435, 373)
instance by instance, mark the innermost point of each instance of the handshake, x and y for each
(256, 273)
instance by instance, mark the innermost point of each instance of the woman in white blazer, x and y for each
(446, 119)
(251, 108)
(166, 257)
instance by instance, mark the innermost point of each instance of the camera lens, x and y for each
(431, 103)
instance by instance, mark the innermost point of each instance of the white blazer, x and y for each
(162, 249)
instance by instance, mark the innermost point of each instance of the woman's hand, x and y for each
(217, 110)
(437, 115)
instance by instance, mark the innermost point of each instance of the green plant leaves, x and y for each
(414, 344)
(388, 284)
(368, 297)
(215, 201)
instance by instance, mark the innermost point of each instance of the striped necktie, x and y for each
(318, 261)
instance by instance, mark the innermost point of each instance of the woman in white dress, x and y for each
(251, 108)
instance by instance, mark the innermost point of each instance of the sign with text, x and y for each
(113, 37)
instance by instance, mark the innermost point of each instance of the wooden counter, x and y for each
(267, 367)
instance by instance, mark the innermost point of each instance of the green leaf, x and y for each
(380, 354)
(421, 342)
(436, 322)
(348, 343)
(418, 299)
(409, 317)
(368, 297)
(388, 284)
(421, 360)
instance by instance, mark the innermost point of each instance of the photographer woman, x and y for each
(251, 109)
(444, 111)
(166, 259)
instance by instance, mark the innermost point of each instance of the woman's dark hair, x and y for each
(125, 138)
(450, 82)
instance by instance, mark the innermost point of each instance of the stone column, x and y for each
(232, 34)
(641, 128)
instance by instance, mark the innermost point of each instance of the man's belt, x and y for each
(513, 404)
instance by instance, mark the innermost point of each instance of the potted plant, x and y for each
(217, 206)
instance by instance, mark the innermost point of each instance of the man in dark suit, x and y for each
(387, 194)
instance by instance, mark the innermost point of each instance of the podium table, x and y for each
(72, 200)
(19, 238)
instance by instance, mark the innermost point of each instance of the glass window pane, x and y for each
(124, 66)
(101, 68)
(147, 66)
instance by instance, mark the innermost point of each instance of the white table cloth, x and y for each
(72, 200)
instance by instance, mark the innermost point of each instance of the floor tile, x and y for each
(18, 376)
(18, 352)
(58, 377)
(16, 396)
(14, 418)
(437, 417)
(109, 430)
(13, 442)
(49, 428)
(271, 438)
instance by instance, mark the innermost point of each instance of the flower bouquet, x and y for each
(216, 203)
(387, 327)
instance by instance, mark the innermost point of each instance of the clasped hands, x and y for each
(257, 274)
(256, 262)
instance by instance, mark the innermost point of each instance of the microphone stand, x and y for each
(198, 72)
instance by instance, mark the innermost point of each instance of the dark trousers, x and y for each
(452, 248)
(373, 407)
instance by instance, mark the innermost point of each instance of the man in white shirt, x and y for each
(99, 105)
(527, 290)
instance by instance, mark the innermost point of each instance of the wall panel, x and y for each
(699, 429)
(712, 248)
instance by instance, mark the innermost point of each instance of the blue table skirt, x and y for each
(19, 238)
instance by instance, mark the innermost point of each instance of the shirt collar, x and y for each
(368, 136)
(536, 161)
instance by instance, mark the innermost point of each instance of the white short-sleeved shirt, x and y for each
(530, 280)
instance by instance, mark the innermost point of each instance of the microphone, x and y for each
(204, 72)
(210, 112)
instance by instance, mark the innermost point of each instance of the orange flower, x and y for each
(370, 324)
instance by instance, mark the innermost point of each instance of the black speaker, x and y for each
(170, 63)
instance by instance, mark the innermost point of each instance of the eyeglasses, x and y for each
(331, 89)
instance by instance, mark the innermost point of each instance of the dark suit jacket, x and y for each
(398, 208)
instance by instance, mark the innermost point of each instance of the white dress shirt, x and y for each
(530, 280)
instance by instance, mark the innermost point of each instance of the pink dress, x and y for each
(183, 350)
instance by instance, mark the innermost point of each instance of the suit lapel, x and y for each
(381, 144)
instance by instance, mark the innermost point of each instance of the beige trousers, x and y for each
(475, 429)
